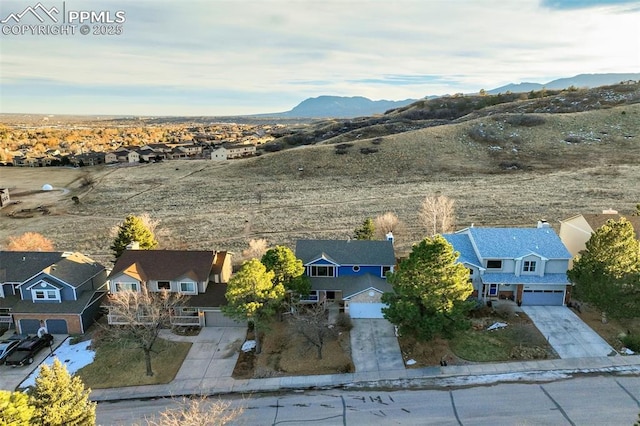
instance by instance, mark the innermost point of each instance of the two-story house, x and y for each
(201, 275)
(577, 230)
(231, 151)
(64, 290)
(528, 265)
(349, 272)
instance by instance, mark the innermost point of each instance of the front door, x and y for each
(493, 290)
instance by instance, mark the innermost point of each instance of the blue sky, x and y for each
(244, 57)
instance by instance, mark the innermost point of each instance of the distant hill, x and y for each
(340, 107)
(579, 81)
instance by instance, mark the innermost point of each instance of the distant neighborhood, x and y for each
(218, 142)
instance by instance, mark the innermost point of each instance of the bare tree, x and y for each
(30, 241)
(198, 411)
(257, 249)
(140, 316)
(437, 214)
(311, 321)
(149, 223)
(386, 223)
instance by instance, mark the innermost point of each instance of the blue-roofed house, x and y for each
(349, 272)
(61, 290)
(528, 265)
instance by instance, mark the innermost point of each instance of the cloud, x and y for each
(581, 4)
(239, 54)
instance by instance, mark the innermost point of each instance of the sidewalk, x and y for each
(430, 377)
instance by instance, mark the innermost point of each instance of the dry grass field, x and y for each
(311, 192)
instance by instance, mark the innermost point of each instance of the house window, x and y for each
(494, 264)
(126, 286)
(355, 268)
(188, 287)
(46, 295)
(164, 285)
(529, 266)
(322, 271)
(385, 269)
(312, 296)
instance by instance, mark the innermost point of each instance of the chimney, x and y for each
(543, 224)
(609, 211)
(390, 236)
(133, 245)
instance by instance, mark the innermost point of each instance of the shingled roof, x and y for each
(596, 220)
(347, 252)
(165, 264)
(512, 243)
(72, 268)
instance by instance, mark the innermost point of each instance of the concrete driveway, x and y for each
(11, 377)
(374, 346)
(212, 356)
(569, 336)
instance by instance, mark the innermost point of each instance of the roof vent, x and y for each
(390, 236)
(543, 224)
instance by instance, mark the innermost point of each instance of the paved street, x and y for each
(374, 346)
(600, 400)
(569, 336)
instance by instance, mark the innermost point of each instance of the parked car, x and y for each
(6, 347)
(28, 349)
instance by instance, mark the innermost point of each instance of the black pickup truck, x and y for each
(27, 349)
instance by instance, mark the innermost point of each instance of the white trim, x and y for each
(362, 291)
(46, 294)
(192, 283)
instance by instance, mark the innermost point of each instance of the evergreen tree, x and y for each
(15, 409)
(133, 229)
(366, 231)
(288, 270)
(430, 291)
(253, 296)
(607, 273)
(61, 399)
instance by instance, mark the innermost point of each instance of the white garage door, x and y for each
(218, 319)
(543, 297)
(366, 310)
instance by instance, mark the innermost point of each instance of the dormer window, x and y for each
(529, 266)
(46, 295)
(322, 271)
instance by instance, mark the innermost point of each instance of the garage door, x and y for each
(217, 319)
(57, 326)
(543, 297)
(366, 310)
(29, 326)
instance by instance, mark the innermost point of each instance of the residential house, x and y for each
(62, 289)
(229, 151)
(528, 265)
(88, 159)
(202, 275)
(110, 157)
(348, 272)
(125, 155)
(576, 230)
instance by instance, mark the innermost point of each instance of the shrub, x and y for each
(632, 341)
(368, 150)
(377, 141)
(525, 120)
(344, 145)
(343, 321)
(272, 147)
(341, 151)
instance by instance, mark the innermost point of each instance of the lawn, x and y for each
(284, 353)
(519, 340)
(121, 364)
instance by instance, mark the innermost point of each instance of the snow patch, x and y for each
(74, 357)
